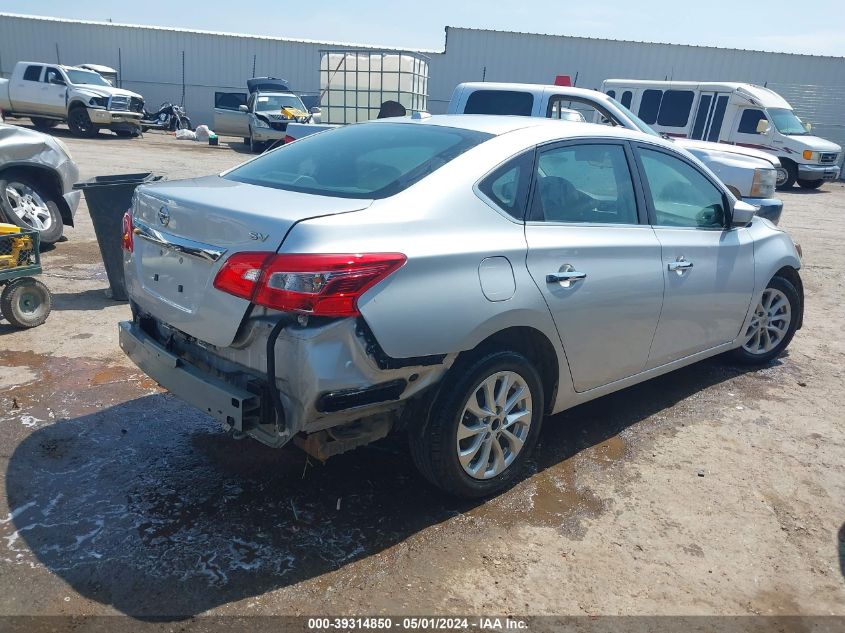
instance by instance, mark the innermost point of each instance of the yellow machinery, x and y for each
(16, 250)
(24, 301)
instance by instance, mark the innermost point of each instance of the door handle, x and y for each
(566, 276)
(680, 265)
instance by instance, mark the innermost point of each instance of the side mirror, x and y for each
(808, 127)
(763, 127)
(315, 110)
(742, 213)
(243, 108)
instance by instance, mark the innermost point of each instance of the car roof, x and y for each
(532, 88)
(541, 127)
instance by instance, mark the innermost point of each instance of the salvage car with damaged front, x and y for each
(454, 278)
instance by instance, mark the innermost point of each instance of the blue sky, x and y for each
(775, 25)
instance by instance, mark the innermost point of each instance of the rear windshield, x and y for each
(369, 160)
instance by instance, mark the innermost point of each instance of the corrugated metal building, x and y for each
(151, 62)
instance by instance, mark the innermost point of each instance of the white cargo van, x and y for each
(735, 113)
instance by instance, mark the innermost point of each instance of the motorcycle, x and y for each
(169, 116)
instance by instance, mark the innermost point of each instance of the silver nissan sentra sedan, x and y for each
(454, 278)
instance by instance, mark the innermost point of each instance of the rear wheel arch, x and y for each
(529, 342)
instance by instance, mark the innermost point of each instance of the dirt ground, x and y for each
(710, 491)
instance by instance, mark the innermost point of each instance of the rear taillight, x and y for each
(128, 239)
(288, 139)
(318, 284)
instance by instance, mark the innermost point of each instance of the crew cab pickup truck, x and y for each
(50, 94)
(750, 174)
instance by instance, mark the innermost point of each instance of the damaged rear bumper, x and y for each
(327, 375)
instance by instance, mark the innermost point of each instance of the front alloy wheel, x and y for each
(772, 324)
(494, 425)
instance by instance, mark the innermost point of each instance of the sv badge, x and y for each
(260, 237)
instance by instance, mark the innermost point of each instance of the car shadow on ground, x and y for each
(94, 299)
(61, 131)
(147, 506)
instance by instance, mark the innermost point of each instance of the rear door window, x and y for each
(626, 98)
(500, 102)
(32, 73)
(584, 183)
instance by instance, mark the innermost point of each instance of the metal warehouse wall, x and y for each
(150, 58)
(813, 85)
(151, 63)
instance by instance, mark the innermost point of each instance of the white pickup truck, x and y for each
(749, 173)
(50, 94)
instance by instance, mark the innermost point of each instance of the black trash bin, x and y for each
(108, 198)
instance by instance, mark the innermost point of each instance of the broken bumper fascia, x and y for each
(313, 364)
(220, 400)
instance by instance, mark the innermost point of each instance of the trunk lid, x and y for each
(185, 231)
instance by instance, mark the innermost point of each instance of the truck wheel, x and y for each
(80, 123)
(126, 133)
(787, 174)
(43, 124)
(254, 146)
(810, 184)
(482, 426)
(26, 302)
(27, 203)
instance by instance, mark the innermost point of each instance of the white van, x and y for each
(736, 113)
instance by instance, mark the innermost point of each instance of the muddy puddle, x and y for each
(48, 388)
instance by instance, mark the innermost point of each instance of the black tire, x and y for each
(185, 123)
(54, 230)
(254, 146)
(26, 302)
(791, 173)
(246, 141)
(80, 123)
(810, 184)
(44, 124)
(745, 357)
(434, 443)
(126, 133)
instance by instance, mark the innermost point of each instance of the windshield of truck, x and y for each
(275, 103)
(368, 160)
(786, 122)
(86, 77)
(641, 125)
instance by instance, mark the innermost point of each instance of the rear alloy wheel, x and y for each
(482, 426)
(810, 184)
(26, 302)
(772, 325)
(26, 203)
(80, 123)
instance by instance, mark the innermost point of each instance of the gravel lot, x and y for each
(712, 490)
